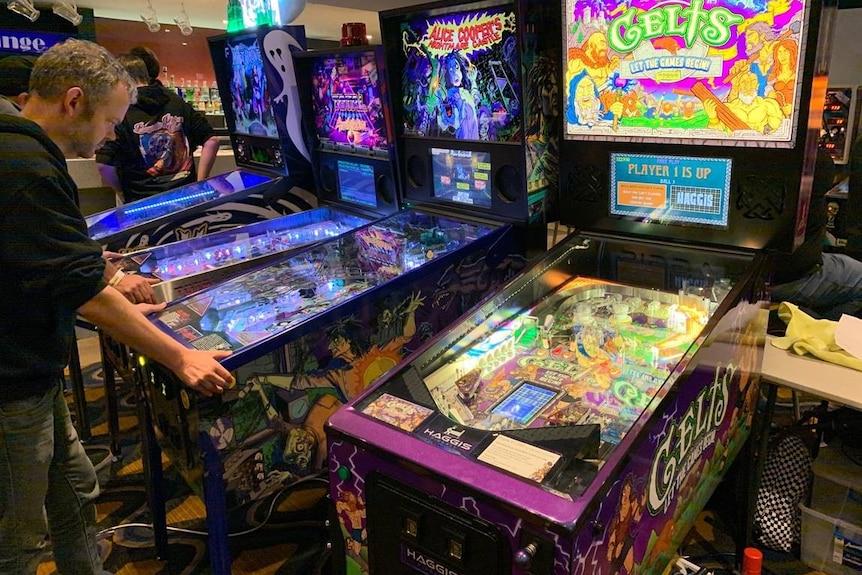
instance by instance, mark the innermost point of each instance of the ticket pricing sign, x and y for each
(678, 190)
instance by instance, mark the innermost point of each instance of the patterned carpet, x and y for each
(284, 535)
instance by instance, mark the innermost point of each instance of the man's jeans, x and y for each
(44, 472)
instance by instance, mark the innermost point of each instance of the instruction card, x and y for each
(520, 458)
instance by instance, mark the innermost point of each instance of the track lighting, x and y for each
(183, 22)
(149, 17)
(68, 11)
(25, 8)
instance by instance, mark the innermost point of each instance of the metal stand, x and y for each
(151, 456)
(214, 499)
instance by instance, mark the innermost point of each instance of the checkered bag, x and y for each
(783, 486)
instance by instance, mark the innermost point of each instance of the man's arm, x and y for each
(199, 370)
(111, 180)
(135, 288)
(208, 156)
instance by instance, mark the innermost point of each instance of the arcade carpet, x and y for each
(284, 535)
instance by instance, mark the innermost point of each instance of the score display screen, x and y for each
(356, 183)
(462, 176)
(670, 189)
(523, 404)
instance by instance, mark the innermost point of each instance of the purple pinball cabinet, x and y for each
(576, 422)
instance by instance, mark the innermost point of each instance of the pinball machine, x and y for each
(840, 129)
(313, 329)
(273, 178)
(273, 175)
(579, 419)
(198, 234)
(840, 121)
(187, 266)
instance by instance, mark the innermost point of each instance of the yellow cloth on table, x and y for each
(806, 335)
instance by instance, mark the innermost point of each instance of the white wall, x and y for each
(845, 66)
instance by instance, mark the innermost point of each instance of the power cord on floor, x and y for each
(107, 532)
(105, 461)
(687, 566)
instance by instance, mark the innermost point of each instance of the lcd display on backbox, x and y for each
(462, 176)
(670, 189)
(461, 76)
(348, 112)
(683, 69)
(356, 183)
(249, 93)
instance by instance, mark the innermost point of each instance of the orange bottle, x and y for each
(752, 561)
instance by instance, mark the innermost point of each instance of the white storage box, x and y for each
(830, 545)
(837, 486)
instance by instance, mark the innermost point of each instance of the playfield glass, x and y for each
(460, 77)
(462, 176)
(263, 303)
(346, 102)
(556, 370)
(728, 72)
(189, 265)
(133, 214)
(602, 349)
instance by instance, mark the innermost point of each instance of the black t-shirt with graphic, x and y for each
(153, 151)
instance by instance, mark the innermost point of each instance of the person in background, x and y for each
(53, 271)
(14, 81)
(151, 61)
(155, 145)
(825, 285)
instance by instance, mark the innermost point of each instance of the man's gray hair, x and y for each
(79, 63)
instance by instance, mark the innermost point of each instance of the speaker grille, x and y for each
(385, 189)
(417, 172)
(508, 183)
(328, 178)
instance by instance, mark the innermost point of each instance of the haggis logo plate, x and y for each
(421, 561)
(445, 433)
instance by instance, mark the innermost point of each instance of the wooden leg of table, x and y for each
(78, 395)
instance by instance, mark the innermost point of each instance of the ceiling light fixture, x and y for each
(150, 18)
(24, 8)
(183, 21)
(68, 11)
